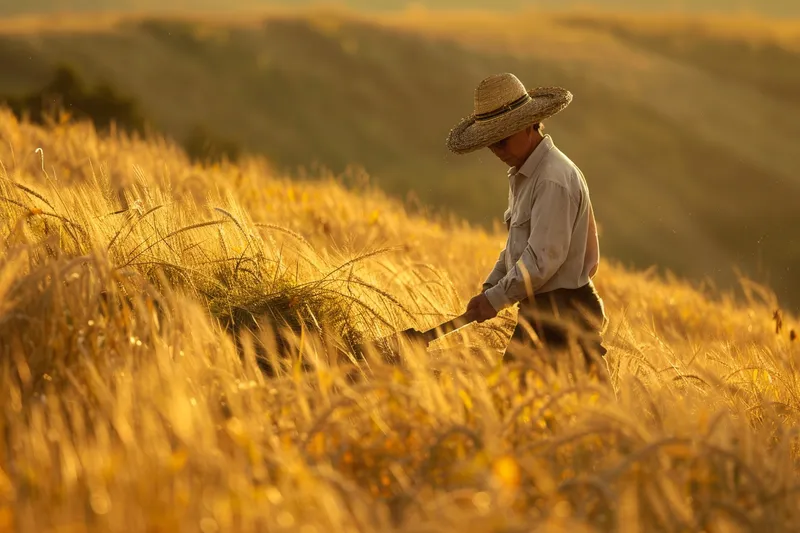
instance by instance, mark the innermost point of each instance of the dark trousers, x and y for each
(560, 315)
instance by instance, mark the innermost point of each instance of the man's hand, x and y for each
(485, 311)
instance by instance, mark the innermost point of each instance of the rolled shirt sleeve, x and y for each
(553, 214)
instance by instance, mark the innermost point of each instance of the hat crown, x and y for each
(498, 91)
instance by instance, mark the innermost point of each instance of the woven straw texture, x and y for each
(501, 100)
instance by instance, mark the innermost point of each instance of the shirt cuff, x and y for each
(498, 298)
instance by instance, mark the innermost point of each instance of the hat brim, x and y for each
(471, 135)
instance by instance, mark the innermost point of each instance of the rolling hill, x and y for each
(685, 130)
(778, 8)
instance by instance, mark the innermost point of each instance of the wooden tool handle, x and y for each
(452, 325)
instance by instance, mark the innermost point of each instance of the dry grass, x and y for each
(125, 407)
(753, 29)
(106, 21)
(482, 26)
(464, 24)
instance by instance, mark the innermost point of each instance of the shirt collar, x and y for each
(532, 163)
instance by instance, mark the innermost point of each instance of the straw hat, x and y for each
(502, 108)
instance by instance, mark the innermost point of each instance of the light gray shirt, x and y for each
(552, 239)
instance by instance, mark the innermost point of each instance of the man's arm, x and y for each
(499, 269)
(497, 273)
(552, 217)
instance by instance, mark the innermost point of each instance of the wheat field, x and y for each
(127, 406)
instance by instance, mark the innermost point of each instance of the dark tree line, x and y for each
(104, 106)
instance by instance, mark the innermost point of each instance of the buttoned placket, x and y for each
(514, 179)
(512, 182)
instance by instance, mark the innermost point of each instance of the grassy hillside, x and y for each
(781, 8)
(681, 176)
(127, 408)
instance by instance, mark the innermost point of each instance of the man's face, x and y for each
(514, 150)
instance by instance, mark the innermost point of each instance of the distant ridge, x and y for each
(656, 123)
(775, 8)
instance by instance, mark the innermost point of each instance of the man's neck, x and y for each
(538, 138)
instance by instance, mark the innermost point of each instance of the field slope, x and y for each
(685, 127)
(127, 407)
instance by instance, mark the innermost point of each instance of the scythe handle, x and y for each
(450, 326)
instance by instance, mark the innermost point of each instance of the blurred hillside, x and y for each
(685, 128)
(767, 7)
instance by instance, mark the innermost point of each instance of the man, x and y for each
(552, 252)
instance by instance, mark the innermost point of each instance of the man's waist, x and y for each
(585, 294)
